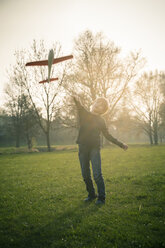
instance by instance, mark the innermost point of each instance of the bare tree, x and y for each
(162, 108)
(98, 70)
(29, 124)
(44, 98)
(14, 104)
(18, 107)
(146, 103)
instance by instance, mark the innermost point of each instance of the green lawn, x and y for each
(41, 200)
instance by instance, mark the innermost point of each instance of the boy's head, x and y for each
(100, 106)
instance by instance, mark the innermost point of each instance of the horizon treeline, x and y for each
(46, 114)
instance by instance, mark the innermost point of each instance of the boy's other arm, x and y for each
(110, 138)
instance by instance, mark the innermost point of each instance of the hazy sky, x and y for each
(131, 24)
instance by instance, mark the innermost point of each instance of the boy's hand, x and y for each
(75, 97)
(77, 101)
(125, 147)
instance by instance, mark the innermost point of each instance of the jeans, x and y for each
(87, 154)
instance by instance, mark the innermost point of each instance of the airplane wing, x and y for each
(45, 62)
(50, 80)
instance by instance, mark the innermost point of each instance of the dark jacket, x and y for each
(91, 126)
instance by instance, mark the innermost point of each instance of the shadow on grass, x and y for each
(59, 232)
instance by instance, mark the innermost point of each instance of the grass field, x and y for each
(41, 200)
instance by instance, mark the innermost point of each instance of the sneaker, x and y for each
(90, 198)
(100, 202)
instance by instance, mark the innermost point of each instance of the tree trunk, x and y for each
(48, 141)
(29, 141)
(150, 130)
(156, 133)
(150, 137)
(151, 140)
(17, 138)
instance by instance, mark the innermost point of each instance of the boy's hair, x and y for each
(104, 103)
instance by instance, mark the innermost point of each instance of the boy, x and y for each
(91, 125)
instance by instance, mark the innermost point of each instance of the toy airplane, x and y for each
(51, 60)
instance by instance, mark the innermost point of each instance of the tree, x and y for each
(162, 108)
(146, 103)
(14, 106)
(5, 137)
(124, 123)
(22, 122)
(29, 125)
(99, 71)
(45, 98)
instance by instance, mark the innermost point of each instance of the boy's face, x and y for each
(97, 108)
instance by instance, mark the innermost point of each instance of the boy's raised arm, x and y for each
(77, 102)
